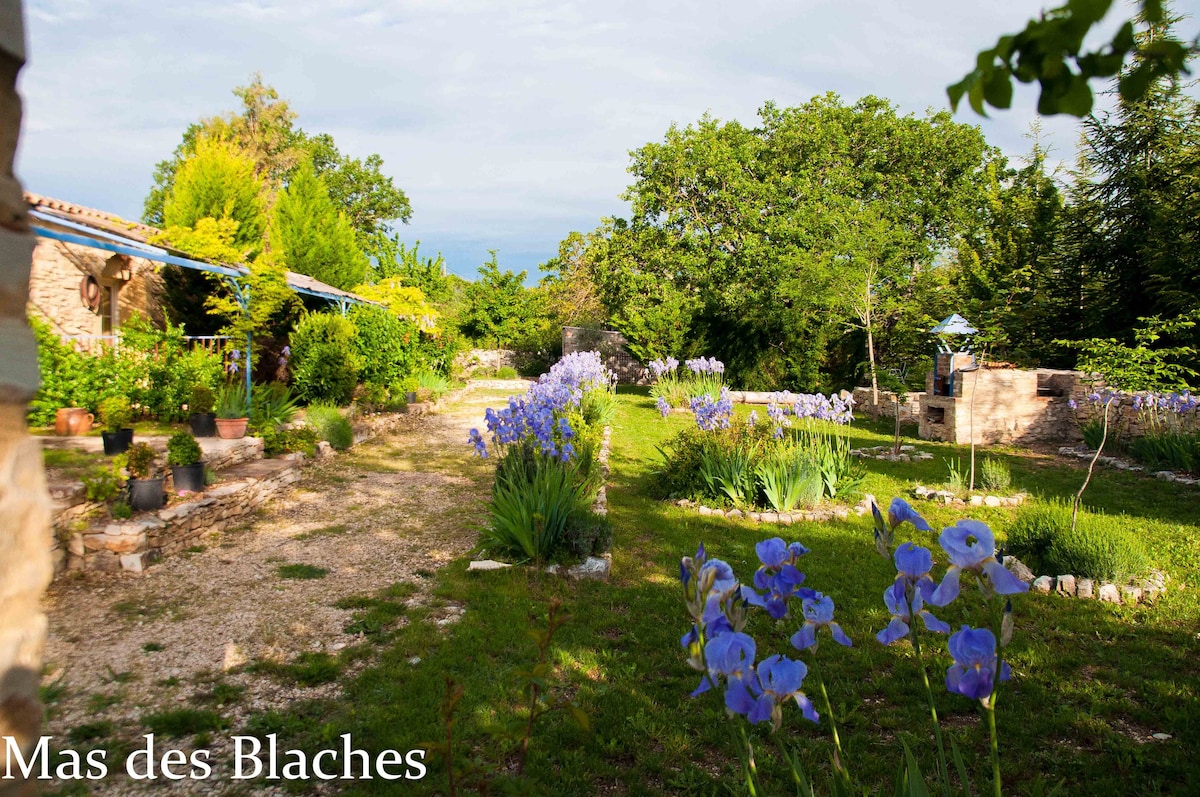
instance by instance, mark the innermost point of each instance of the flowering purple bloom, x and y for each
(907, 596)
(752, 418)
(664, 408)
(712, 415)
(972, 548)
(730, 655)
(818, 613)
(1072, 404)
(476, 440)
(776, 680)
(778, 578)
(900, 512)
(974, 667)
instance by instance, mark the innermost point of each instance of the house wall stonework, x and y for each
(59, 268)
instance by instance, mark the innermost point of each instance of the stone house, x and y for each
(85, 292)
(93, 270)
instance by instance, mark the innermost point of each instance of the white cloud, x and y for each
(505, 122)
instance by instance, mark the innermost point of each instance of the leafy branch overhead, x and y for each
(1051, 51)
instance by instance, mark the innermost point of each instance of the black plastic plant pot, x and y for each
(146, 494)
(188, 478)
(204, 424)
(117, 442)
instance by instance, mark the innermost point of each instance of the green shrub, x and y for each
(995, 475)
(202, 400)
(121, 510)
(115, 413)
(103, 482)
(182, 449)
(140, 459)
(1167, 451)
(789, 478)
(278, 441)
(506, 372)
(387, 346)
(325, 361)
(586, 534)
(330, 425)
(1101, 547)
(1093, 432)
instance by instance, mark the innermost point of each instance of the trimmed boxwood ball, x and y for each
(325, 363)
(182, 449)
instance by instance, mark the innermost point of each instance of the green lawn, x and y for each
(1091, 682)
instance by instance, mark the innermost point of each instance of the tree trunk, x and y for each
(25, 542)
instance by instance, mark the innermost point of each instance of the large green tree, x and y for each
(500, 311)
(310, 235)
(756, 244)
(264, 130)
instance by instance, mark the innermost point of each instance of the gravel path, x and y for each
(392, 510)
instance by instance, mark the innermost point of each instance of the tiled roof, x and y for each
(109, 222)
(142, 233)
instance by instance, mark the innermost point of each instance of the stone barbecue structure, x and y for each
(999, 405)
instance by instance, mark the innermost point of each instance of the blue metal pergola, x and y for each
(83, 235)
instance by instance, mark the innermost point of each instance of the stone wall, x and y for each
(910, 408)
(484, 361)
(58, 269)
(612, 347)
(135, 543)
(25, 568)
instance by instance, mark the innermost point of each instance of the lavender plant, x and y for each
(758, 690)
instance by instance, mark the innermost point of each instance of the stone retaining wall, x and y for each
(133, 544)
(910, 408)
(485, 360)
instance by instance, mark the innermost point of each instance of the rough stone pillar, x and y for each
(25, 567)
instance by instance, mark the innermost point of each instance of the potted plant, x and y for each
(203, 420)
(117, 434)
(183, 455)
(232, 415)
(145, 489)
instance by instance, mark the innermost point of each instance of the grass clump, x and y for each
(995, 475)
(1101, 547)
(301, 572)
(98, 729)
(330, 425)
(506, 372)
(307, 669)
(180, 722)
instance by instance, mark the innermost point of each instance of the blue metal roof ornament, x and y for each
(953, 325)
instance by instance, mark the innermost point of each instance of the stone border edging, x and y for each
(1124, 464)
(1076, 587)
(594, 567)
(884, 453)
(782, 518)
(950, 499)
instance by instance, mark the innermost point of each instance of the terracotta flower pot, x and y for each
(73, 421)
(231, 428)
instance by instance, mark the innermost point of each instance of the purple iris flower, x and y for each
(476, 440)
(664, 408)
(818, 613)
(909, 593)
(900, 512)
(778, 578)
(760, 699)
(730, 655)
(974, 667)
(972, 548)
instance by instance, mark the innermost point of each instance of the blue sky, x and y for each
(507, 124)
